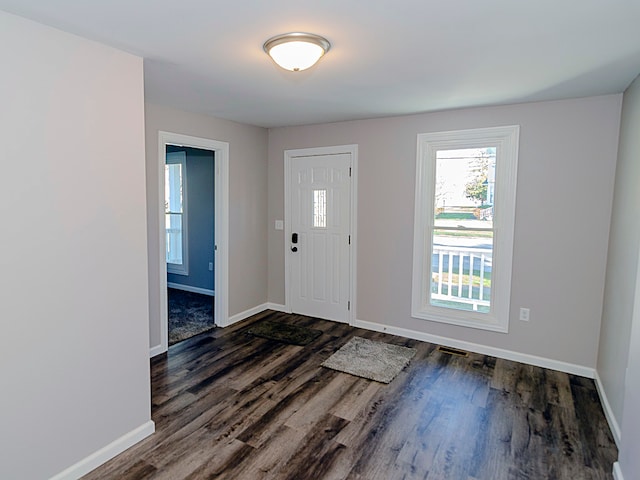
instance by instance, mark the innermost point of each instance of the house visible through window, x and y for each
(175, 213)
(462, 233)
(465, 204)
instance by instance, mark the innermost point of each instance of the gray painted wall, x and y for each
(622, 261)
(74, 350)
(200, 218)
(247, 204)
(565, 188)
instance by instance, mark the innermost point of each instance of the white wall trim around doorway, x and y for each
(221, 233)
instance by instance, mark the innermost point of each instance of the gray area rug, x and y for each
(189, 314)
(377, 361)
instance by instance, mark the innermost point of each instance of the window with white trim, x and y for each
(175, 209)
(463, 227)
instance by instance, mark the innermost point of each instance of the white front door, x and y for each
(319, 243)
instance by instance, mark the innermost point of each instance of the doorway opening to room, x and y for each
(189, 224)
(193, 181)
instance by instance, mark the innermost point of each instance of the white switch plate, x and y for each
(279, 224)
(524, 314)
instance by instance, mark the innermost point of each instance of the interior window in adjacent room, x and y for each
(175, 207)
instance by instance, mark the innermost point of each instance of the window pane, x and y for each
(173, 188)
(464, 188)
(320, 208)
(462, 262)
(461, 265)
(173, 226)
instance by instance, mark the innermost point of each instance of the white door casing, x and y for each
(221, 232)
(319, 201)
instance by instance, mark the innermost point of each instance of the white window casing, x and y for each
(505, 140)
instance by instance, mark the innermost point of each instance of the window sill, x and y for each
(485, 322)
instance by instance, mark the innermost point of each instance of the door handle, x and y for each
(294, 238)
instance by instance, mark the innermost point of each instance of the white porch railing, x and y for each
(444, 287)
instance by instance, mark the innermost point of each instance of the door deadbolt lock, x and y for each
(294, 249)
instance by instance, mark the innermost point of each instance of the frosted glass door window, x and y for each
(320, 208)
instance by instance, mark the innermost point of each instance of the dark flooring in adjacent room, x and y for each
(228, 405)
(189, 314)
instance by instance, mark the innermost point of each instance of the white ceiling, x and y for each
(387, 57)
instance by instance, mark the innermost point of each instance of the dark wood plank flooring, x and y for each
(231, 406)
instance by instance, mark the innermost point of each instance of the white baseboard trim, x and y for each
(277, 307)
(238, 317)
(483, 349)
(608, 412)
(106, 453)
(189, 288)
(617, 473)
(157, 350)
(246, 314)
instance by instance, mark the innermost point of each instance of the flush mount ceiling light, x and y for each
(296, 51)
